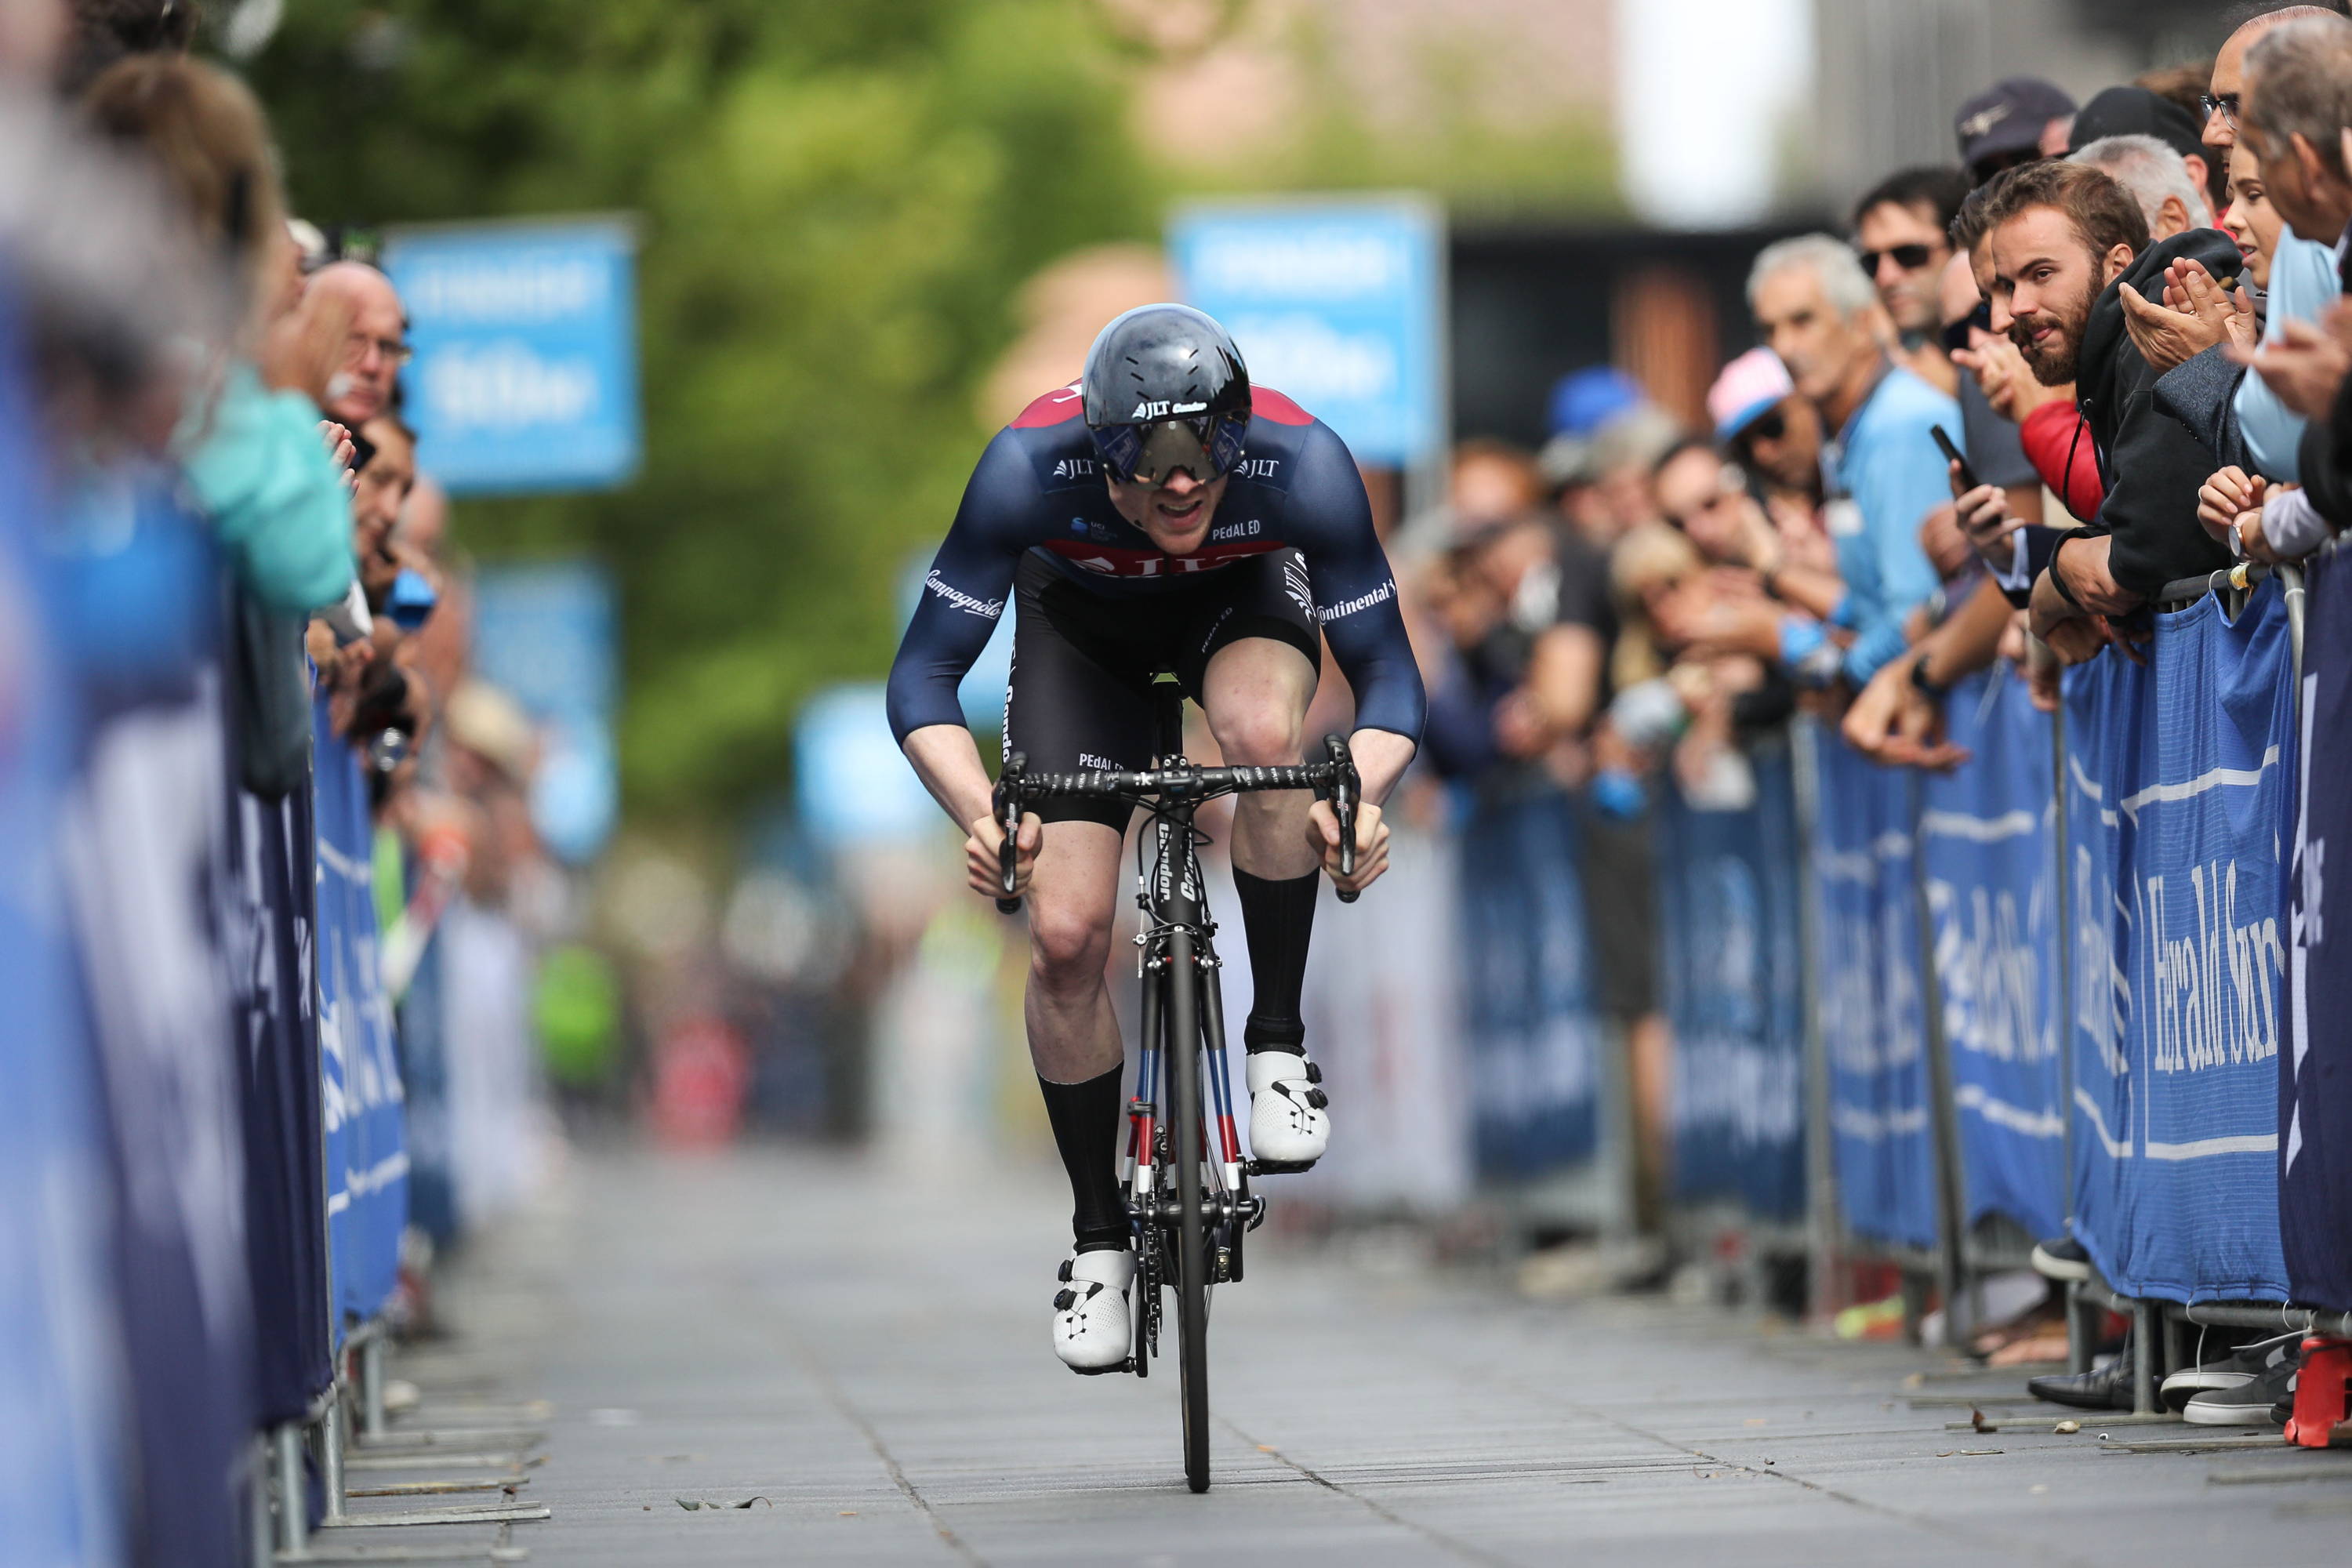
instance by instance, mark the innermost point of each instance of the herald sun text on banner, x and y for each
(1986, 853)
(1873, 1018)
(1337, 302)
(2182, 770)
(2316, 1070)
(1728, 912)
(1528, 993)
(526, 370)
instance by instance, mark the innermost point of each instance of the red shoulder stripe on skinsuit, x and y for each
(1055, 407)
(1268, 403)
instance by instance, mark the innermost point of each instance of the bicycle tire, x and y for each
(1181, 1060)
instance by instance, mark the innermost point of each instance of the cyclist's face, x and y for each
(1176, 514)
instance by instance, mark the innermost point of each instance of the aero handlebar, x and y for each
(1019, 787)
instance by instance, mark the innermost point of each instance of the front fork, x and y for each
(1143, 1111)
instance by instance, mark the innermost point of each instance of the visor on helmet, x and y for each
(1151, 454)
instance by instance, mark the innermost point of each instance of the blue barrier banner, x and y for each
(2182, 770)
(2105, 703)
(1872, 1019)
(274, 848)
(144, 852)
(1730, 971)
(2316, 1073)
(1986, 850)
(367, 1155)
(1527, 988)
(62, 1429)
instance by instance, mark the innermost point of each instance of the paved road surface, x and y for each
(871, 1355)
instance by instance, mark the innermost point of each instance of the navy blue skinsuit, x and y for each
(1291, 551)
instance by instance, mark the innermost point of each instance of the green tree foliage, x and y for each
(838, 201)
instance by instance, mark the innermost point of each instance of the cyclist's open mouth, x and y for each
(1181, 519)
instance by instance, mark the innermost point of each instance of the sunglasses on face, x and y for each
(1909, 257)
(2225, 105)
(1769, 426)
(1955, 333)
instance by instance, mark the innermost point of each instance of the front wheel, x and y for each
(1192, 1260)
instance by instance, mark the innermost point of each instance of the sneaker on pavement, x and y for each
(2243, 1366)
(2108, 1387)
(2061, 1258)
(2251, 1403)
(1290, 1125)
(1091, 1326)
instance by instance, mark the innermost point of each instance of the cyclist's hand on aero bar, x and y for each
(1372, 844)
(980, 860)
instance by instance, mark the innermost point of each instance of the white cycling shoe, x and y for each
(1092, 1330)
(1290, 1124)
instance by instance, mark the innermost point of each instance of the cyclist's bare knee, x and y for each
(1264, 736)
(1069, 942)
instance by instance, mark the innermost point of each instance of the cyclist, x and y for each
(1160, 515)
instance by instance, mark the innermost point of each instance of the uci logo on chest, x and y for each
(1167, 410)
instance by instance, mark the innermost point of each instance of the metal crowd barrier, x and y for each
(1961, 1254)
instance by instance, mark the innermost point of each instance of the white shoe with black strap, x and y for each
(1290, 1119)
(1092, 1329)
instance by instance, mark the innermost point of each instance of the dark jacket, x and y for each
(2201, 393)
(2325, 461)
(2152, 463)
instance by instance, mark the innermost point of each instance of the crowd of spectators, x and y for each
(227, 588)
(2125, 319)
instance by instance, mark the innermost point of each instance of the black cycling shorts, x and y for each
(1083, 663)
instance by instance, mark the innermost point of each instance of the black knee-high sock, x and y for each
(1085, 1118)
(1279, 918)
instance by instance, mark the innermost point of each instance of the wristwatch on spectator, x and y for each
(1919, 680)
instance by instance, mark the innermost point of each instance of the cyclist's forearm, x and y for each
(1381, 757)
(948, 762)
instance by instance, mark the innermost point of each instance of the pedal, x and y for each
(1127, 1365)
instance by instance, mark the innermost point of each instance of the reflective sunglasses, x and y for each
(1150, 455)
(1910, 258)
(1955, 333)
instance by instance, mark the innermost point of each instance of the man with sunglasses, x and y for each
(1160, 515)
(1901, 234)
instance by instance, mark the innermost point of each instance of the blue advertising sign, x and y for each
(2178, 1192)
(361, 1095)
(1528, 995)
(1728, 904)
(526, 370)
(1336, 303)
(1873, 1013)
(547, 636)
(1985, 848)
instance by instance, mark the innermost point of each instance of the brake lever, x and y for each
(1008, 818)
(1345, 787)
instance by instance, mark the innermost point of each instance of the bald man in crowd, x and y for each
(378, 345)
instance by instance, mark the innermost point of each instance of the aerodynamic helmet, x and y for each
(1165, 389)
